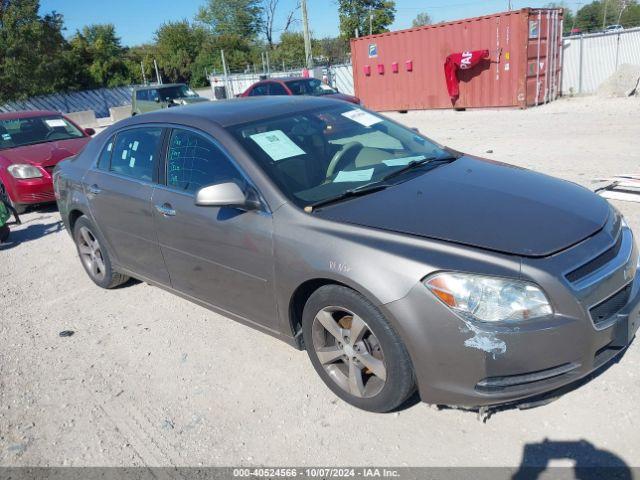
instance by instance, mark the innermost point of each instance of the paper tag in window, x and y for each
(124, 154)
(277, 145)
(354, 176)
(135, 146)
(56, 122)
(109, 147)
(6, 136)
(132, 162)
(398, 162)
(362, 117)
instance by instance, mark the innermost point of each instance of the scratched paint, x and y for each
(485, 341)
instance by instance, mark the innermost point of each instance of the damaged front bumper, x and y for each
(478, 365)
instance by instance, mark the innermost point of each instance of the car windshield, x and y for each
(309, 86)
(19, 132)
(177, 91)
(320, 154)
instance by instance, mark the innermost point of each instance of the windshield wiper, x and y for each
(351, 193)
(415, 164)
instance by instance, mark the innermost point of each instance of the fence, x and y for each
(97, 100)
(340, 77)
(589, 60)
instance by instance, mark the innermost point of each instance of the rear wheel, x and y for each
(94, 256)
(355, 350)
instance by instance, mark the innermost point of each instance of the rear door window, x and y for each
(104, 162)
(135, 153)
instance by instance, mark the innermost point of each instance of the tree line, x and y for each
(37, 58)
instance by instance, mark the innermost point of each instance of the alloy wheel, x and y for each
(349, 351)
(91, 254)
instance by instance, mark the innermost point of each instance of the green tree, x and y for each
(355, 15)
(232, 17)
(33, 52)
(177, 46)
(290, 50)
(99, 49)
(422, 19)
(591, 17)
(334, 50)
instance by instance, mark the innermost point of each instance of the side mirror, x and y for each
(157, 99)
(227, 194)
(90, 131)
(415, 129)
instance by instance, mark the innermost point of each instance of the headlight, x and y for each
(24, 171)
(489, 299)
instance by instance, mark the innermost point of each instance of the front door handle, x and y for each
(166, 210)
(94, 189)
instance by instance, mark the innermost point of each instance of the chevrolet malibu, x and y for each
(397, 263)
(31, 145)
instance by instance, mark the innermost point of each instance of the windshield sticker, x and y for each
(400, 162)
(56, 122)
(354, 176)
(132, 162)
(362, 117)
(6, 136)
(135, 146)
(277, 145)
(124, 154)
(109, 147)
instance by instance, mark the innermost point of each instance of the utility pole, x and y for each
(370, 21)
(308, 55)
(604, 17)
(144, 77)
(510, 5)
(158, 77)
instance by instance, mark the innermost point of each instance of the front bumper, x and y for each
(458, 363)
(32, 191)
(594, 288)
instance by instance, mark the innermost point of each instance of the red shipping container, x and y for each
(524, 68)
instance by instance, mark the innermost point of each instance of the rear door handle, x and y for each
(166, 210)
(94, 189)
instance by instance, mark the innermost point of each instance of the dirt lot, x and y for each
(150, 379)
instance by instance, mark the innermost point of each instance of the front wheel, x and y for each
(94, 256)
(355, 350)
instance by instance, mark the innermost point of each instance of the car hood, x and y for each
(483, 204)
(45, 154)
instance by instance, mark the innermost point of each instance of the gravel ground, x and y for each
(151, 379)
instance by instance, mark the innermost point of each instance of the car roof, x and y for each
(156, 87)
(27, 114)
(227, 113)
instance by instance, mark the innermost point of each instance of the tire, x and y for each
(372, 370)
(4, 233)
(94, 256)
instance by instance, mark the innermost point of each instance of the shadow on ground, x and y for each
(589, 462)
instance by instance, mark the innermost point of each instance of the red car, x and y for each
(296, 86)
(31, 145)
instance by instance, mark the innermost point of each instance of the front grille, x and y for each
(612, 305)
(596, 263)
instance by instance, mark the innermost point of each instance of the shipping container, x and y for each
(404, 70)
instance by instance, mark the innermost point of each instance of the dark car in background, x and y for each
(397, 263)
(296, 86)
(149, 98)
(31, 145)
